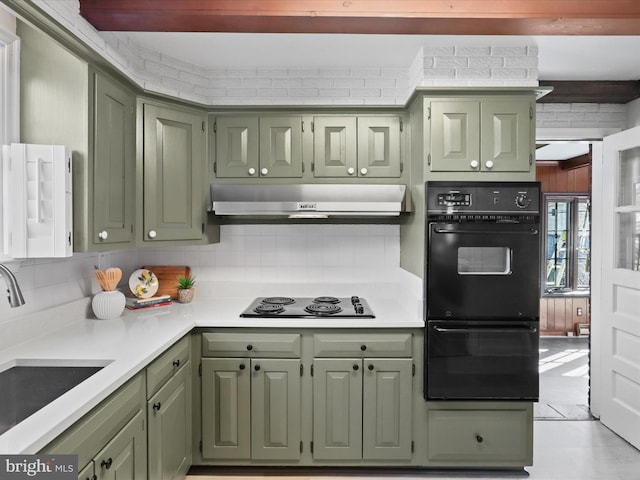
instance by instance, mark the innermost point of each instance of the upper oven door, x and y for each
(483, 270)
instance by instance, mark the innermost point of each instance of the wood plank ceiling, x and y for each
(424, 17)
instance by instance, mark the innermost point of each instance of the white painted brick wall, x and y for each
(581, 115)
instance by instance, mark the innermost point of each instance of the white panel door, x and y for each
(619, 309)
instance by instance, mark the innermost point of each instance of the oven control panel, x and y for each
(492, 198)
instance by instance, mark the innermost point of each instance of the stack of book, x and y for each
(134, 303)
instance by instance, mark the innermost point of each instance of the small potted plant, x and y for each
(186, 288)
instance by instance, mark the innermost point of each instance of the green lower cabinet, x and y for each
(251, 409)
(87, 473)
(169, 420)
(460, 436)
(362, 409)
(124, 457)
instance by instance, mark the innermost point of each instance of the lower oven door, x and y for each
(481, 360)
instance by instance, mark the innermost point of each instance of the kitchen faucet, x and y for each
(13, 289)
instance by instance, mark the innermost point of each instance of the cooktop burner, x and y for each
(289, 307)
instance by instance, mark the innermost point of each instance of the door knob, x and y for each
(351, 170)
(103, 235)
(152, 234)
(355, 366)
(156, 406)
(489, 164)
(364, 171)
(264, 171)
(252, 171)
(474, 164)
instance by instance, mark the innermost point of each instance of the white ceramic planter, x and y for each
(108, 305)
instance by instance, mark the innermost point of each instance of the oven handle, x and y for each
(482, 330)
(532, 231)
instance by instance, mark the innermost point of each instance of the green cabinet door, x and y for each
(281, 147)
(87, 473)
(335, 146)
(125, 456)
(169, 420)
(236, 148)
(507, 145)
(174, 157)
(387, 418)
(455, 136)
(379, 147)
(275, 409)
(337, 409)
(113, 161)
(226, 408)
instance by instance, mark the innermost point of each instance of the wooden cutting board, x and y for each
(167, 278)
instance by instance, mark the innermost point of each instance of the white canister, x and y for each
(108, 305)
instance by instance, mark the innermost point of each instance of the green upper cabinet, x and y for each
(174, 197)
(251, 146)
(493, 135)
(363, 146)
(112, 156)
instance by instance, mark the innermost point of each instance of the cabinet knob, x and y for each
(103, 235)
(351, 170)
(370, 366)
(479, 438)
(474, 164)
(176, 363)
(152, 234)
(251, 171)
(106, 463)
(249, 347)
(363, 347)
(356, 367)
(363, 171)
(489, 164)
(156, 406)
(264, 171)
(256, 368)
(242, 366)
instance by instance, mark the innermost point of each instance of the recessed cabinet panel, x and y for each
(379, 146)
(173, 174)
(275, 409)
(125, 455)
(387, 424)
(337, 409)
(226, 413)
(335, 146)
(507, 141)
(280, 147)
(236, 147)
(455, 136)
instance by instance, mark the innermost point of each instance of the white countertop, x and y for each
(126, 345)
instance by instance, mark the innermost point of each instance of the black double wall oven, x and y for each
(482, 290)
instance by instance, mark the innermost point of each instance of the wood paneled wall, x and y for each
(555, 179)
(559, 315)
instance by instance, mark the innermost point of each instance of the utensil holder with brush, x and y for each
(110, 302)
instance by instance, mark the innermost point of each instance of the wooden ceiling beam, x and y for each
(591, 91)
(436, 17)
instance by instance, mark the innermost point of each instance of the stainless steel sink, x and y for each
(28, 385)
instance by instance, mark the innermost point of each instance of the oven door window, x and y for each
(484, 261)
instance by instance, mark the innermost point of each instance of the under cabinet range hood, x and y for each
(308, 200)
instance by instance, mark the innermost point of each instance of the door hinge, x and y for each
(401, 126)
(69, 164)
(302, 167)
(429, 159)
(311, 447)
(204, 128)
(311, 372)
(530, 159)
(401, 167)
(301, 369)
(200, 445)
(302, 123)
(313, 127)
(215, 168)
(69, 239)
(413, 369)
(413, 446)
(202, 228)
(428, 113)
(200, 369)
(215, 127)
(313, 166)
(530, 112)
(301, 447)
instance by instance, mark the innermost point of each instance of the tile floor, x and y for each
(582, 449)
